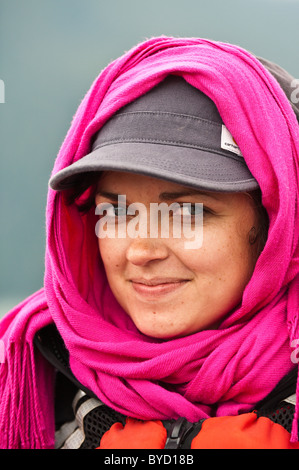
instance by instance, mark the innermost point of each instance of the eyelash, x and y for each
(206, 210)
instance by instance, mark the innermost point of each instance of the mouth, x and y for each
(157, 286)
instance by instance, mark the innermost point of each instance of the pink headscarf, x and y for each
(213, 372)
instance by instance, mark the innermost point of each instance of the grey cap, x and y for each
(173, 132)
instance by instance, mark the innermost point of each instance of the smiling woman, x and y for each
(182, 287)
(153, 339)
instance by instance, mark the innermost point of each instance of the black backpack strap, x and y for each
(279, 405)
(51, 345)
(285, 388)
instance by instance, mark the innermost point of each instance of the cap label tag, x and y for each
(228, 142)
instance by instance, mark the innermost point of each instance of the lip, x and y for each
(157, 286)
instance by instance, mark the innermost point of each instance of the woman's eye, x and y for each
(115, 211)
(190, 210)
(184, 211)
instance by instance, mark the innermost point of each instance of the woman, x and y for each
(165, 341)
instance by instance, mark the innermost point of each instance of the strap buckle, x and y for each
(178, 431)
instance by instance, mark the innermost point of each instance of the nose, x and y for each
(143, 250)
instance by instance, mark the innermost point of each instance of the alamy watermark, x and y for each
(132, 221)
(2, 91)
(295, 92)
(295, 353)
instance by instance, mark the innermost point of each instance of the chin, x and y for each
(154, 331)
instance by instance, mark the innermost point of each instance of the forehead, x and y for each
(117, 182)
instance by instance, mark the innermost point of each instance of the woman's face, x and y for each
(168, 289)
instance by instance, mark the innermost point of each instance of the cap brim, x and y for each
(183, 165)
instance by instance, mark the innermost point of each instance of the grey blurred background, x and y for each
(51, 51)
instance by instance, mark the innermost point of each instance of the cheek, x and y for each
(215, 250)
(225, 254)
(112, 254)
(238, 258)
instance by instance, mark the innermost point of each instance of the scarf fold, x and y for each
(209, 373)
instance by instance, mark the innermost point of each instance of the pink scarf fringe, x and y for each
(221, 372)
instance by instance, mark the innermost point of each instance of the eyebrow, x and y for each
(166, 196)
(189, 192)
(108, 195)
